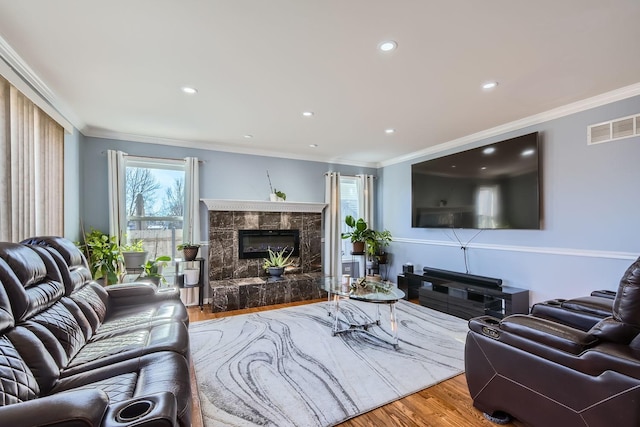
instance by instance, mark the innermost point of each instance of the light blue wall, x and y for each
(590, 205)
(222, 176)
(72, 185)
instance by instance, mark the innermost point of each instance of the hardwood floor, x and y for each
(447, 404)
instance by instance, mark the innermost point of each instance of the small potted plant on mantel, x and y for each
(189, 250)
(277, 261)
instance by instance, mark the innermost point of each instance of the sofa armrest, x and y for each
(76, 408)
(536, 330)
(140, 292)
(153, 410)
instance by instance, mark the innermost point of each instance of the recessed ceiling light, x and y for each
(248, 136)
(189, 90)
(528, 152)
(387, 46)
(483, 168)
(313, 145)
(389, 131)
(489, 85)
(489, 150)
(307, 113)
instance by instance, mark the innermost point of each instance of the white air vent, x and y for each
(615, 129)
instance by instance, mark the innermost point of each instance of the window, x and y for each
(154, 203)
(350, 205)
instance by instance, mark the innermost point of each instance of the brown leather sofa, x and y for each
(74, 353)
(546, 373)
(581, 313)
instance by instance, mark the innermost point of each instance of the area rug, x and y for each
(284, 368)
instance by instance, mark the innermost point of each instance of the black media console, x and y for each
(464, 295)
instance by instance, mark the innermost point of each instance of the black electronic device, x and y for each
(496, 186)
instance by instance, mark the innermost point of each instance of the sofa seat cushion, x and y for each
(146, 375)
(105, 349)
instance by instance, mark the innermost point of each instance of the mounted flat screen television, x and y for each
(492, 187)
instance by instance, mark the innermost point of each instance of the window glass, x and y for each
(349, 206)
(154, 197)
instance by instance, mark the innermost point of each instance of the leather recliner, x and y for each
(546, 373)
(581, 313)
(55, 369)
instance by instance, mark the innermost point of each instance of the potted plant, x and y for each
(189, 250)
(134, 254)
(376, 242)
(277, 261)
(105, 258)
(276, 195)
(152, 270)
(359, 231)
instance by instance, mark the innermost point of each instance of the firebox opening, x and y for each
(255, 243)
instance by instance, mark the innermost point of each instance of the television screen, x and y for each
(491, 187)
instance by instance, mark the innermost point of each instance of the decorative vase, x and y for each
(190, 252)
(276, 271)
(191, 276)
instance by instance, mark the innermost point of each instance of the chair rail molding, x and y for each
(530, 249)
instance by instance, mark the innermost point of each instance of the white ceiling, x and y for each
(115, 68)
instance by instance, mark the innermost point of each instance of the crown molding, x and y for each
(19, 74)
(556, 113)
(212, 146)
(262, 206)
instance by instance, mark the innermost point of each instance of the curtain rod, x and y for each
(152, 157)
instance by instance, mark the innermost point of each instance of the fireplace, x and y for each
(256, 243)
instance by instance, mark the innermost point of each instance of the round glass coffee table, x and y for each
(367, 291)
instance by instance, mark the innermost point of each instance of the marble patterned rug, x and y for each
(284, 368)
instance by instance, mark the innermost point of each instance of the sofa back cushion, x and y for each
(626, 306)
(70, 259)
(17, 383)
(31, 279)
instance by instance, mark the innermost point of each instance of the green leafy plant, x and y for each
(280, 194)
(153, 267)
(377, 241)
(105, 257)
(135, 246)
(359, 230)
(277, 259)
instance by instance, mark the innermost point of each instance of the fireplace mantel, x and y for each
(262, 206)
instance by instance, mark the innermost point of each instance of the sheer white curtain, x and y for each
(366, 191)
(191, 218)
(191, 227)
(31, 168)
(116, 179)
(332, 225)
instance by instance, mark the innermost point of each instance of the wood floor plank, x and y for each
(446, 404)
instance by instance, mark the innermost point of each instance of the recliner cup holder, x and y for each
(134, 410)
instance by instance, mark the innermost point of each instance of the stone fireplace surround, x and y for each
(242, 283)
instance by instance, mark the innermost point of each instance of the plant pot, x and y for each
(134, 259)
(358, 247)
(191, 276)
(382, 258)
(190, 252)
(276, 271)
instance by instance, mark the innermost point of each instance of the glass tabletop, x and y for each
(368, 291)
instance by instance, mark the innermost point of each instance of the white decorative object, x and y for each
(191, 276)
